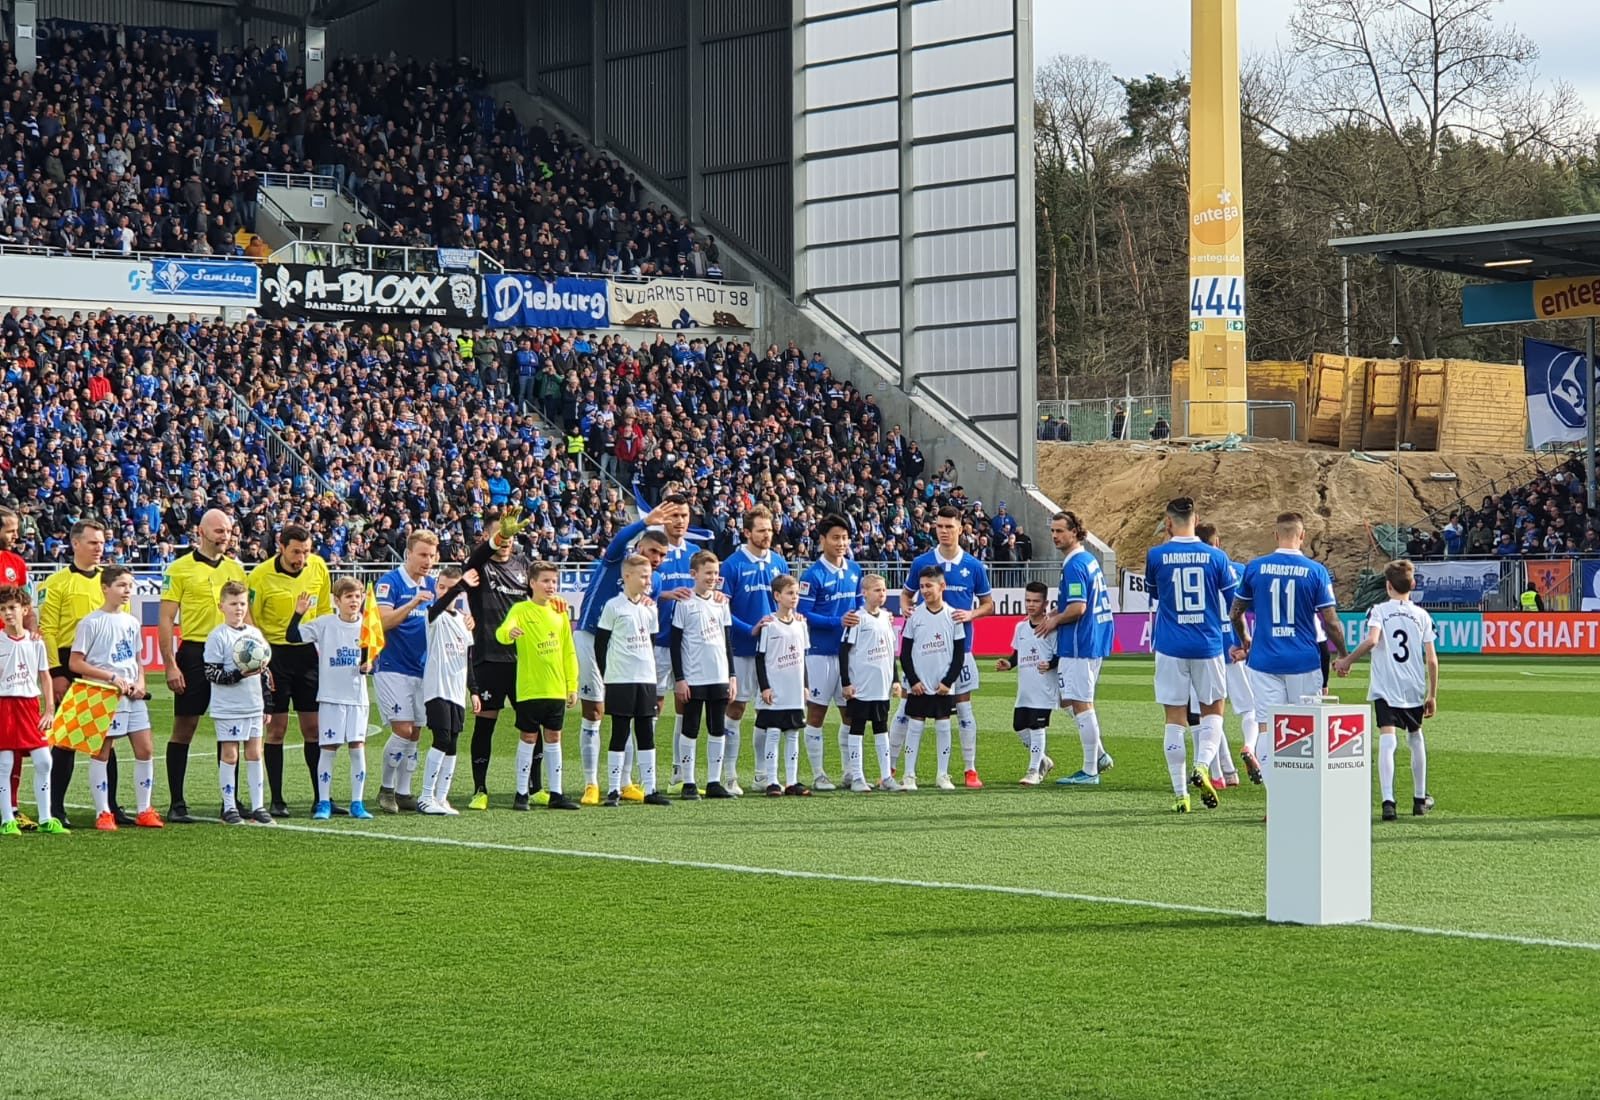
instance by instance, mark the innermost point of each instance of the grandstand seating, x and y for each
(1546, 517)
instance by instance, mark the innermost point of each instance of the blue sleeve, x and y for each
(1246, 592)
(1074, 585)
(385, 595)
(1224, 572)
(617, 548)
(732, 588)
(981, 588)
(808, 606)
(1325, 597)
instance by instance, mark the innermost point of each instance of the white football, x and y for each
(251, 654)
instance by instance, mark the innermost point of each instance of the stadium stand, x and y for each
(1546, 517)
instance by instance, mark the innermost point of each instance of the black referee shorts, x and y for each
(293, 679)
(497, 683)
(196, 697)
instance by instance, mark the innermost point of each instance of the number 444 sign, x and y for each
(1216, 296)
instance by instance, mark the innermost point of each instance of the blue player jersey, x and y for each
(827, 595)
(1287, 590)
(747, 581)
(1082, 581)
(1191, 584)
(405, 648)
(966, 581)
(605, 579)
(672, 573)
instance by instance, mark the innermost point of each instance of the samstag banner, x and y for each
(302, 292)
(682, 303)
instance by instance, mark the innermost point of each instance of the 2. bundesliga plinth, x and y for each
(1319, 814)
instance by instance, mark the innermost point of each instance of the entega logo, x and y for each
(1291, 735)
(1216, 222)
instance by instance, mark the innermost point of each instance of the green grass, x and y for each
(399, 958)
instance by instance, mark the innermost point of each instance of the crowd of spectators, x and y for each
(150, 141)
(143, 424)
(1547, 517)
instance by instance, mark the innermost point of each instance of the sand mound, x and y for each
(1119, 490)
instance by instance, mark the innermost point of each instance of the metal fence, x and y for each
(1089, 421)
(374, 257)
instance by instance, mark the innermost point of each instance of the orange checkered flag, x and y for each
(371, 627)
(84, 717)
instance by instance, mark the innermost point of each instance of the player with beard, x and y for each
(497, 580)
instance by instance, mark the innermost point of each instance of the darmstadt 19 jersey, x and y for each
(1191, 583)
(827, 595)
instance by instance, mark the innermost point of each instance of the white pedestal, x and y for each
(1319, 814)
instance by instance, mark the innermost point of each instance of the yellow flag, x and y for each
(371, 627)
(84, 717)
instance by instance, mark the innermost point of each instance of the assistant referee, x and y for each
(275, 585)
(502, 580)
(189, 596)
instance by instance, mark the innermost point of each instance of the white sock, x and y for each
(1249, 730)
(967, 729)
(447, 776)
(1194, 742)
(1210, 741)
(5, 785)
(791, 756)
(394, 753)
(524, 765)
(647, 769)
(98, 787)
(1419, 765)
(1036, 740)
(767, 741)
(615, 762)
(899, 730)
(552, 767)
(325, 763)
(1177, 757)
(358, 772)
(408, 768)
(677, 750)
(1088, 724)
(730, 755)
(144, 782)
(1386, 747)
(225, 777)
(714, 747)
(430, 774)
(41, 781)
(630, 756)
(852, 759)
(913, 745)
(814, 749)
(880, 742)
(1224, 757)
(688, 760)
(844, 746)
(254, 773)
(941, 741)
(589, 751)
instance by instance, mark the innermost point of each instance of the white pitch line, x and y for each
(921, 884)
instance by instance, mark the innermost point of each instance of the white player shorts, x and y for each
(591, 685)
(968, 680)
(1241, 695)
(1179, 678)
(1273, 690)
(343, 723)
(744, 671)
(132, 716)
(664, 684)
(822, 681)
(237, 730)
(1078, 677)
(399, 698)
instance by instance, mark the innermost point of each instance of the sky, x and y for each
(1136, 37)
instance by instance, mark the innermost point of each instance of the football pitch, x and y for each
(994, 943)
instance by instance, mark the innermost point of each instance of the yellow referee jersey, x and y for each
(67, 596)
(273, 593)
(195, 584)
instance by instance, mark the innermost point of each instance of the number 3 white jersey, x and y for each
(1399, 665)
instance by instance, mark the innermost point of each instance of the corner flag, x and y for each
(371, 626)
(84, 717)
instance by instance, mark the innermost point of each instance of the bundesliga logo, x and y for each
(1291, 735)
(1345, 735)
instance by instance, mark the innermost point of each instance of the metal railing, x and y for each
(1092, 420)
(10, 248)
(278, 448)
(373, 257)
(300, 181)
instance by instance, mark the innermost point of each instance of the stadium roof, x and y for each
(1553, 248)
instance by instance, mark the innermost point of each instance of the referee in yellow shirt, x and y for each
(68, 595)
(275, 585)
(189, 596)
